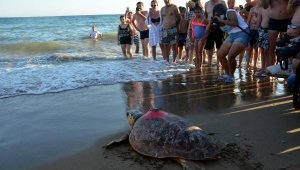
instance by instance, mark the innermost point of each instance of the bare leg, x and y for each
(175, 51)
(137, 48)
(209, 54)
(129, 51)
(223, 51)
(241, 58)
(180, 52)
(235, 50)
(255, 56)
(249, 51)
(187, 54)
(203, 56)
(197, 55)
(166, 52)
(146, 46)
(272, 42)
(123, 47)
(154, 52)
(191, 55)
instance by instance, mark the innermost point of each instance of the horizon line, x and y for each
(55, 15)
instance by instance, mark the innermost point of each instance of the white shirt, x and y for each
(229, 29)
(95, 34)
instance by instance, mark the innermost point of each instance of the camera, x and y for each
(286, 49)
(241, 7)
(214, 24)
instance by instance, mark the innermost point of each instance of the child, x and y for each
(94, 34)
(182, 34)
(136, 40)
(254, 24)
(125, 36)
(199, 34)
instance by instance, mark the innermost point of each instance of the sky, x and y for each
(29, 8)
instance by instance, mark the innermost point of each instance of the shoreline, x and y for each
(67, 130)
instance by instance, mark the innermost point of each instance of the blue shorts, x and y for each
(240, 37)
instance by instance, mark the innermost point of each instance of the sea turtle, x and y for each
(163, 135)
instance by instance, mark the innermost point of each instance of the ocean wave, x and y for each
(82, 57)
(29, 48)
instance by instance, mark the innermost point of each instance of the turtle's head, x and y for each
(132, 116)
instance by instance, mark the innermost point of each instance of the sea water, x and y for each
(52, 54)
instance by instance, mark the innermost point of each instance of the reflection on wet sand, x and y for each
(201, 89)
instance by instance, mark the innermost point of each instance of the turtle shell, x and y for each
(163, 135)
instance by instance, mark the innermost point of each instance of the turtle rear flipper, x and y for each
(189, 165)
(119, 140)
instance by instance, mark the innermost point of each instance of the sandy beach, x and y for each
(66, 130)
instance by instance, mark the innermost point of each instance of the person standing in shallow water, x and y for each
(279, 19)
(182, 34)
(155, 28)
(216, 36)
(94, 34)
(170, 20)
(138, 21)
(125, 36)
(136, 40)
(199, 34)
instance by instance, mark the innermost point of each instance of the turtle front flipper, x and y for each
(189, 165)
(119, 140)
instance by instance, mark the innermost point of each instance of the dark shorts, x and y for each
(279, 25)
(181, 39)
(254, 40)
(144, 34)
(215, 37)
(125, 40)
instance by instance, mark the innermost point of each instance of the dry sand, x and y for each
(255, 118)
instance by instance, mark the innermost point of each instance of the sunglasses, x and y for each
(153, 5)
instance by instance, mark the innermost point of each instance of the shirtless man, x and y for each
(170, 20)
(278, 21)
(138, 21)
(218, 35)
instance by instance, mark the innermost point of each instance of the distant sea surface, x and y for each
(52, 54)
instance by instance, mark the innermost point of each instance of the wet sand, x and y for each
(254, 117)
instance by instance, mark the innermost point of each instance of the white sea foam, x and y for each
(48, 77)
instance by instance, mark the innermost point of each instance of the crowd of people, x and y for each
(194, 32)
